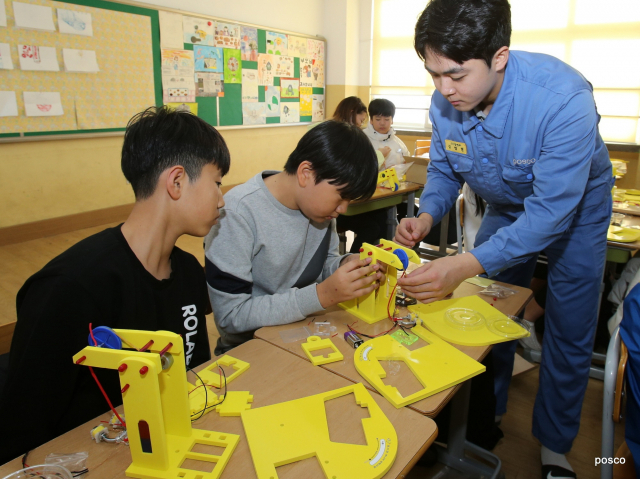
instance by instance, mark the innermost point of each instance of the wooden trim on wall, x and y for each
(63, 224)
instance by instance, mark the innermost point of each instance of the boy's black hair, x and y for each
(340, 153)
(382, 107)
(159, 138)
(462, 30)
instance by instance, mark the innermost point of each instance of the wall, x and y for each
(49, 179)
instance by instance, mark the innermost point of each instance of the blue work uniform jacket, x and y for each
(538, 157)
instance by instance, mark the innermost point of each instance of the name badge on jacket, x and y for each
(456, 146)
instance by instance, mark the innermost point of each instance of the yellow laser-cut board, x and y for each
(235, 403)
(291, 431)
(437, 366)
(314, 343)
(433, 316)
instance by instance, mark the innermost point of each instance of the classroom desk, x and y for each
(274, 376)
(621, 252)
(629, 210)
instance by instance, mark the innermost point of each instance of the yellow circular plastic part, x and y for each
(463, 318)
(504, 327)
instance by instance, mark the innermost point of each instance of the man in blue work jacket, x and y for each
(522, 130)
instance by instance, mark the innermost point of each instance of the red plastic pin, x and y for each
(122, 368)
(144, 369)
(370, 253)
(81, 359)
(126, 386)
(361, 250)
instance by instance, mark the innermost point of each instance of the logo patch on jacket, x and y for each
(525, 162)
(455, 146)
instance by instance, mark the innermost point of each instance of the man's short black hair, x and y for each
(382, 107)
(462, 30)
(340, 153)
(159, 138)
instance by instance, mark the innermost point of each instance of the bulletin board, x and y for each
(134, 61)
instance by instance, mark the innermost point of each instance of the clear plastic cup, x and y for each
(41, 472)
(616, 219)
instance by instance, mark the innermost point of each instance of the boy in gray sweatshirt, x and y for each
(273, 258)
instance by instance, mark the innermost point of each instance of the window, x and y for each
(600, 39)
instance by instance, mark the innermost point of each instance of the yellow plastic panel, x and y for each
(295, 430)
(235, 403)
(211, 375)
(623, 235)
(389, 179)
(494, 327)
(437, 366)
(314, 343)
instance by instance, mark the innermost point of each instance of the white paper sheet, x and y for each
(5, 57)
(8, 103)
(75, 23)
(33, 16)
(33, 57)
(42, 103)
(3, 14)
(80, 60)
(289, 112)
(171, 30)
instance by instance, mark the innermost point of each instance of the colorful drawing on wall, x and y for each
(75, 23)
(249, 86)
(249, 44)
(34, 17)
(8, 103)
(289, 88)
(306, 72)
(317, 108)
(297, 46)
(198, 31)
(42, 104)
(253, 114)
(191, 107)
(284, 66)
(35, 58)
(170, 30)
(290, 113)
(227, 35)
(5, 57)
(180, 94)
(305, 101)
(272, 100)
(208, 59)
(277, 43)
(209, 84)
(266, 69)
(315, 49)
(177, 63)
(232, 66)
(318, 73)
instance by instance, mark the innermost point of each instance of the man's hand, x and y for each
(411, 230)
(435, 280)
(349, 281)
(385, 150)
(349, 257)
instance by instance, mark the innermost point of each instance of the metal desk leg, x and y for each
(453, 455)
(392, 222)
(411, 204)
(444, 233)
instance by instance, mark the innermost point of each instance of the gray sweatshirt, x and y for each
(263, 261)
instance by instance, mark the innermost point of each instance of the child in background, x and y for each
(382, 135)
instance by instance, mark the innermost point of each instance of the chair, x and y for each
(422, 147)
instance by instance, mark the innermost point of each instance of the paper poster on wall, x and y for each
(3, 14)
(265, 69)
(198, 31)
(284, 66)
(171, 30)
(208, 59)
(177, 63)
(8, 103)
(42, 103)
(75, 23)
(37, 58)
(289, 88)
(249, 86)
(305, 101)
(232, 66)
(277, 43)
(253, 114)
(190, 107)
(318, 73)
(306, 72)
(249, 44)
(315, 49)
(297, 46)
(227, 35)
(290, 113)
(183, 91)
(6, 63)
(209, 84)
(83, 61)
(272, 100)
(33, 17)
(317, 108)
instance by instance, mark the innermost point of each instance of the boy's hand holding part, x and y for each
(350, 280)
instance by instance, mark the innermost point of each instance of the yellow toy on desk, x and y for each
(314, 343)
(235, 403)
(378, 304)
(389, 176)
(210, 376)
(156, 405)
(295, 430)
(437, 365)
(468, 321)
